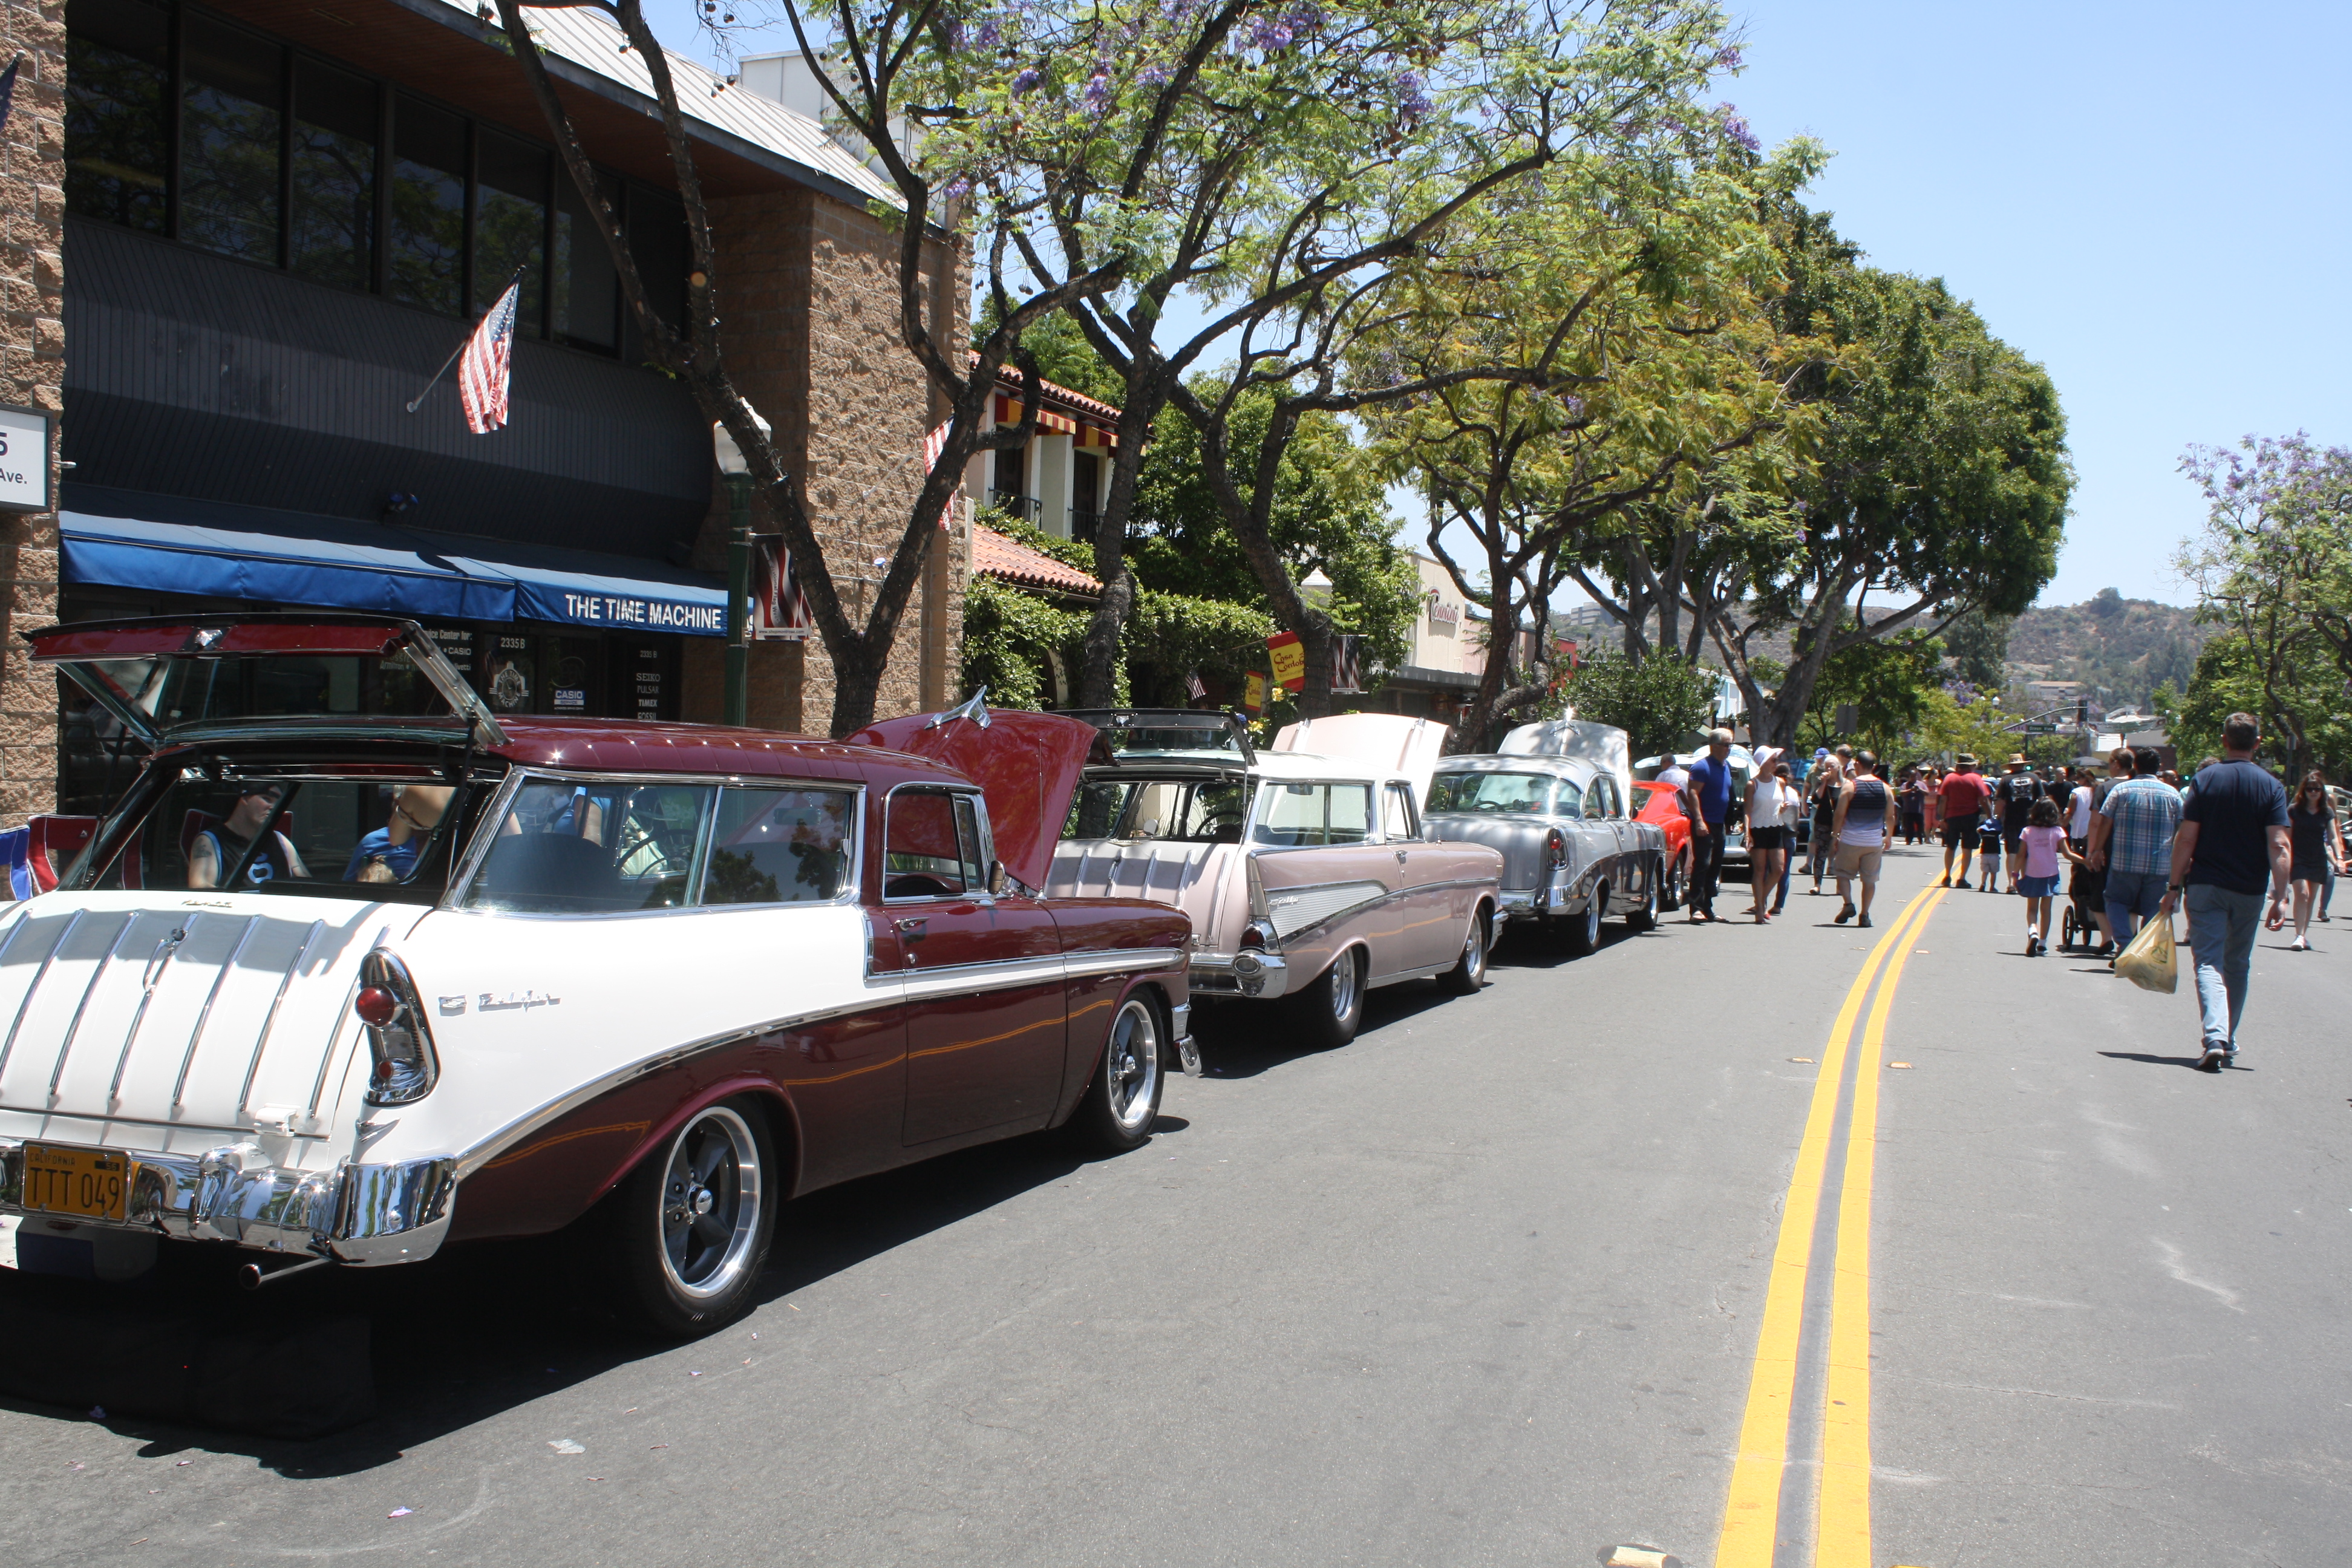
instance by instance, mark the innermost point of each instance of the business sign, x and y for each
(1253, 693)
(698, 615)
(1290, 656)
(26, 434)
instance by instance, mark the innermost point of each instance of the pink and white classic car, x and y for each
(1304, 868)
(356, 969)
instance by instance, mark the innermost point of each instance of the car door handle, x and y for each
(1400, 856)
(909, 931)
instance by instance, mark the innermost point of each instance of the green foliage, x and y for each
(1170, 636)
(2122, 648)
(2229, 680)
(1660, 701)
(1979, 644)
(1887, 681)
(1007, 634)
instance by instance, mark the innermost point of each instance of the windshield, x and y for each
(1532, 792)
(249, 830)
(1165, 730)
(1307, 815)
(172, 690)
(1198, 811)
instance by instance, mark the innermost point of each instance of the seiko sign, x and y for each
(24, 436)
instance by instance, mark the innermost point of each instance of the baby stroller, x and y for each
(2084, 888)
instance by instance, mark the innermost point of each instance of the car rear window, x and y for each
(1542, 795)
(1296, 816)
(250, 831)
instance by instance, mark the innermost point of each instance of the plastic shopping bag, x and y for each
(2148, 962)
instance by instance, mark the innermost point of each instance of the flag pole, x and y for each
(462, 342)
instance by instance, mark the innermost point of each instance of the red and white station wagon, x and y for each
(356, 969)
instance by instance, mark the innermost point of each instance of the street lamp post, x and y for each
(736, 470)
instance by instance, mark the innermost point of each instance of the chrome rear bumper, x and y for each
(353, 1214)
(1260, 976)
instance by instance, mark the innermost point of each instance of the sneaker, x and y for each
(1947, 880)
(2298, 945)
(2212, 1060)
(1862, 924)
(1843, 916)
(2032, 946)
(1961, 883)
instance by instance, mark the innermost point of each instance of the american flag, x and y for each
(933, 445)
(482, 369)
(1348, 672)
(1193, 688)
(779, 607)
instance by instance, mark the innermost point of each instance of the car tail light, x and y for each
(403, 1066)
(1257, 936)
(1556, 849)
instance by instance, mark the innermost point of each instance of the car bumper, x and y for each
(1258, 975)
(361, 1214)
(1536, 903)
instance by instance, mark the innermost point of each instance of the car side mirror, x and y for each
(997, 880)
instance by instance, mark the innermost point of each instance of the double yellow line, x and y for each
(1751, 1516)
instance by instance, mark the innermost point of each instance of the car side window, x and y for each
(1299, 816)
(1603, 799)
(592, 847)
(781, 846)
(1396, 813)
(932, 848)
(1567, 799)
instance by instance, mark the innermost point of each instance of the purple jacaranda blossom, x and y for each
(1097, 92)
(957, 188)
(1027, 79)
(1270, 33)
(1574, 404)
(1736, 127)
(1154, 75)
(1411, 101)
(989, 36)
(1728, 58)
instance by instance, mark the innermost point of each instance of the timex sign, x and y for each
(24, 438)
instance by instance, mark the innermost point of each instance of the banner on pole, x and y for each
(1253, 693)
(780, 611)
(1289, 656)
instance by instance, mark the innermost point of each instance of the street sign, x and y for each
(24, 438)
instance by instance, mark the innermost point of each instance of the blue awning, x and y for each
(167, 544)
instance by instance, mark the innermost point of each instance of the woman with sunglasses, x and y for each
(2312, 829)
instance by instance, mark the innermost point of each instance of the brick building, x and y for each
(275, 218)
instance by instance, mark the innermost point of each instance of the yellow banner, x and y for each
(1253, 693)
(1290, 656)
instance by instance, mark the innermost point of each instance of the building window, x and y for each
(118, 127)
(441, 215)
(336, 120)
(232, 123)
(426, 261)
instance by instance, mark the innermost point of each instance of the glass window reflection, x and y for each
(511, 226)
(334, 221)
(230, 121)
(427, 234)
(117, 138)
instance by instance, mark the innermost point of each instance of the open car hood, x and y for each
(1605, 746)
(162, 675)
(1409, 746)
(1026, 764)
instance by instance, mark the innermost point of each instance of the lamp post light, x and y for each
(736, 470)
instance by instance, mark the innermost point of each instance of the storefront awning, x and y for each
(167, 544)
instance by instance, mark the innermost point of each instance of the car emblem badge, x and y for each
(451, 1007)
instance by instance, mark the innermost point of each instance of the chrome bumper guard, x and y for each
(353, 1214)
(1249, 973)
(1179, 1024)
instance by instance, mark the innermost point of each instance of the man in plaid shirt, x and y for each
(2132, 838)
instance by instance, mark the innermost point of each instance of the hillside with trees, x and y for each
(2125, 647)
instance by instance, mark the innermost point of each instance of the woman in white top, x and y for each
(1769, 805)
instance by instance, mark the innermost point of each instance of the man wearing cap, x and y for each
(1964, 795)
(1707, 798)
(2017, 791)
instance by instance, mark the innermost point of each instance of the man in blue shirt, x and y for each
(1707, 798)
(2232, 831)
(2131, 840)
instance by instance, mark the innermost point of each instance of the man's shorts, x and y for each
(2013, 835)
(1860, 860)
(1960, 832)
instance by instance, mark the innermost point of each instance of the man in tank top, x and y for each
(1866, 818)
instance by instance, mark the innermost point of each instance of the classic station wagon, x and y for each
(356, 969)
(1306, 872)
(1556, 801)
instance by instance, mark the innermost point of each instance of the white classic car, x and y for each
(355, 969)
(1556, 801)
(1304, 868)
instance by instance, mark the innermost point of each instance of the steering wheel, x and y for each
(1217, 823)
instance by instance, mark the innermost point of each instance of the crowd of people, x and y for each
(2127, 844)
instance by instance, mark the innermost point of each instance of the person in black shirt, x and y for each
(2232, 831)
(2017, 792)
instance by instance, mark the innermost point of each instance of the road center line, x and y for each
(1751, 1514)
(1842, 1524)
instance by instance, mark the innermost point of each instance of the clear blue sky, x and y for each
(2149, 199)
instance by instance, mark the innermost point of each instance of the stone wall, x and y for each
(809, 292)
(32, 368)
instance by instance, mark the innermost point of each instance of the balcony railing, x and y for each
(1023, 507)
(1084, 521)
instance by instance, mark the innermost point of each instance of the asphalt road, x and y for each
(1484, 1287)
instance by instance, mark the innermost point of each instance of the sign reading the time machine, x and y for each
(24, 438)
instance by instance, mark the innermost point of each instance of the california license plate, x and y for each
(82, 1184)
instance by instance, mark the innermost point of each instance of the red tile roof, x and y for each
(994, 555)
(1009, 382)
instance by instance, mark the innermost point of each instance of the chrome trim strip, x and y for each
(188, 1057)
(523, 1126)
(181, 934)
(455, 688)
(58, 1072)
(469, 860)
(1110, 960)
(8, 1046)
(261, 1041)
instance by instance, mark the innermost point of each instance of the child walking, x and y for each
(1989, 852)
(2040, 845)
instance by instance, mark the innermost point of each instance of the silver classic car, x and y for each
(1305, 867)
(1556, 801)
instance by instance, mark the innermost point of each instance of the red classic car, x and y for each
(1663, 807)
(357, 968)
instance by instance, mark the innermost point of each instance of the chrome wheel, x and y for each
(1469, 971)
(1346, 981)
(710, 1205)
(1131, 1072)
